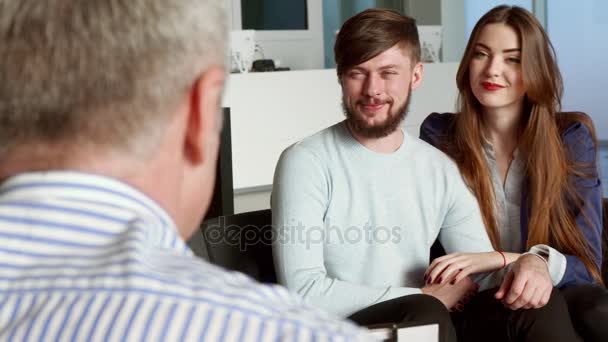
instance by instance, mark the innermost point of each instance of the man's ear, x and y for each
(204, 121)
(417, 74)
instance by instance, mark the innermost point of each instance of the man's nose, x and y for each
(373, 85)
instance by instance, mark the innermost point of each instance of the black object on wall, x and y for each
(222, 202)
(274, 15)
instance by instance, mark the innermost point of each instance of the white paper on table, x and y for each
(421, 333)
(381, 334)
(403, 332)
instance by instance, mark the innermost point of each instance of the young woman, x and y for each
(533, 170)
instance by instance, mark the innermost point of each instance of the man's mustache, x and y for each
(374, 102)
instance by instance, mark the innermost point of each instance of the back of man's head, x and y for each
(371, 32)
(101, 73)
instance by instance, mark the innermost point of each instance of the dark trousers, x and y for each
(588, 306)
(486, 319)
(415, 309)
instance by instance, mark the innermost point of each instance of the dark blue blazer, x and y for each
(581, 148)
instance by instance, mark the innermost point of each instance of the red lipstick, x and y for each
(491, 86)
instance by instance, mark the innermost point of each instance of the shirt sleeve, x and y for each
(299, 201)
(462, 229)
(556, 261)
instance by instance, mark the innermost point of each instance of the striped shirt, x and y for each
(87, 258)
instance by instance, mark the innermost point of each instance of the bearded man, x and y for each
(357, 206)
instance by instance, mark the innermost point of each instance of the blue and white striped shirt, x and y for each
(87, 258)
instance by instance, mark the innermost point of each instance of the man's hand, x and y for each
(527, 285)
(452, 294)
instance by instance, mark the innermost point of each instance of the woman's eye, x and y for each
(479, 54)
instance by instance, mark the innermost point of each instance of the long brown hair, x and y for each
(553, 201)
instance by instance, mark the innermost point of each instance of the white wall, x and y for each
(454, 39)
(474, 9)
(578, 31)
(458, 18)
(426, 12)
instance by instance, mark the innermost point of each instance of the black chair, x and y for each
(242, 242)
(437, 251)
(222, 202)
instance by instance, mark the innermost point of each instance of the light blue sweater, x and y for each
(355, 227)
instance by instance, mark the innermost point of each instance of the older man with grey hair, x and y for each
(109, 131)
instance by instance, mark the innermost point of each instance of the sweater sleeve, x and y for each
(581, 149)
(299, 202)
(462, 229)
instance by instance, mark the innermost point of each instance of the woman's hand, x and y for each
(456, 266)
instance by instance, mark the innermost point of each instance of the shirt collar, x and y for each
(488, 149)
(78, 186)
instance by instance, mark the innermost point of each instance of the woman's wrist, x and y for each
(493, 262)
(502, 260)
(511, 257)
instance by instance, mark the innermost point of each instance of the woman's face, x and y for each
(495, 69)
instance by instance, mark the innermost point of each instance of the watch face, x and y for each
(543, 253)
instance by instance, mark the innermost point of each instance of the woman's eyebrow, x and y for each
(505, 50)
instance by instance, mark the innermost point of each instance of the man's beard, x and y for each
(392, 122)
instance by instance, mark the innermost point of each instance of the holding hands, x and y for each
(461, 265)
(527, 285)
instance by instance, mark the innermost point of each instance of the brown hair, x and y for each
(371, 32)
(553, 200)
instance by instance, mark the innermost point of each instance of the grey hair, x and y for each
(101, 72)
